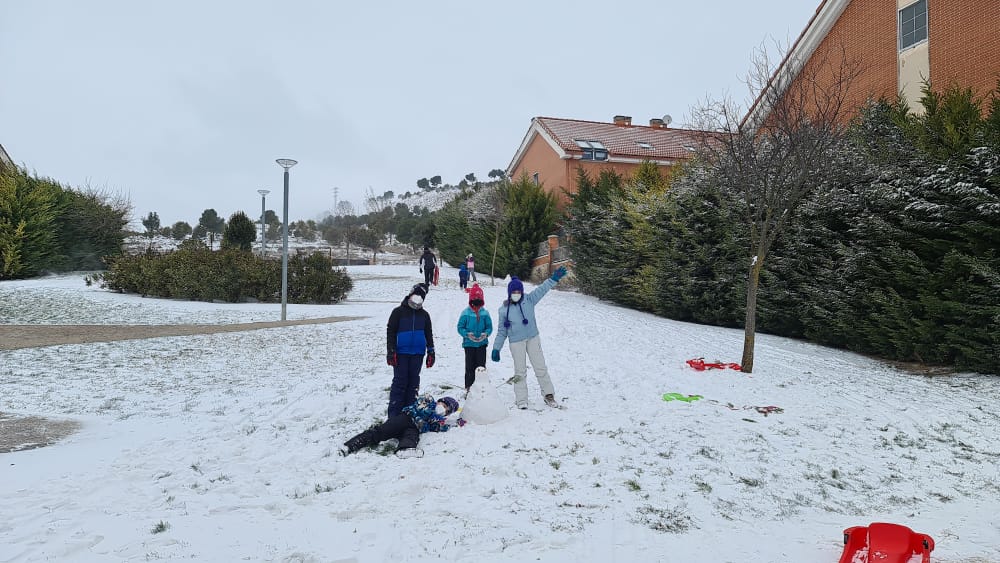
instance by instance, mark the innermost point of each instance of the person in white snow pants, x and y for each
(516, 320)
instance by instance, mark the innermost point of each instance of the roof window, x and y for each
(592, 150)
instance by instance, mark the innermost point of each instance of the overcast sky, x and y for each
(182, 106)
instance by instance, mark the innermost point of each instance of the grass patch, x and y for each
(672, 520)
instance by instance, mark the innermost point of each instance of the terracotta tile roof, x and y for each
(623, 141)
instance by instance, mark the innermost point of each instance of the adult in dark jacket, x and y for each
(427, 264)
(408, 336)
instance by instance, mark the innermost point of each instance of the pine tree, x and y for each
(594, 234)
(29, 207)
(240, 233)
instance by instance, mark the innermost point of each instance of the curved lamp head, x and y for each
(286, 163)
(263, 192)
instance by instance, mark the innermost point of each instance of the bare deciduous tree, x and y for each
(345, 208)
(376, 204)
(772, 158)
(496, 198)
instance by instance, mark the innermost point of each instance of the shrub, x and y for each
(196, 273)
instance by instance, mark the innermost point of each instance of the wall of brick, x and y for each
(865, 32)
(552, 254)
(963, 43)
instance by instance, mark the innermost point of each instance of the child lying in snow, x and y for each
(424, 415)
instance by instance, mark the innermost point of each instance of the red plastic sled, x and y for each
(880, 542)
(437, 274)
(701, 365)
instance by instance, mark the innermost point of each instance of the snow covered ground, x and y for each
(223, 447)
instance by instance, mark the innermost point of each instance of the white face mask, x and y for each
(441, 410)
(515, 297)
(416, 301)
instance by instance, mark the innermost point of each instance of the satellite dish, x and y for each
(667, 119)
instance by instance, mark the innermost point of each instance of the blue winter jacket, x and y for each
(479, 324)
(424, 417)
(515, 313)
(409, 331)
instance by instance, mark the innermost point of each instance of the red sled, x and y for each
(437, 273)
(880, 542)
(700, 365)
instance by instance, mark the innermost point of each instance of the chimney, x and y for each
(656, 123)
(623, 120)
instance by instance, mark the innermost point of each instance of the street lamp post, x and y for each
(285, 163)
(263, 238)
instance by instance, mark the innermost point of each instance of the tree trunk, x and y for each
(750, 325)
(493, 265)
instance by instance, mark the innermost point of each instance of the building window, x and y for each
(913, 24)
(643, 145)
(592, 150)
(535, 178)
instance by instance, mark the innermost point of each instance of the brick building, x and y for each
(900, 44)
(553, 149)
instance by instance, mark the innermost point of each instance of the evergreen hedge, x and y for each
(46, 227)
(196, 273)
(896, 255)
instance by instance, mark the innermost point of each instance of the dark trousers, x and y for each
(474, 358)
(428, 275)
(400, 427)
(405, 382)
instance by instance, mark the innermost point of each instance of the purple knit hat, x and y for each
(452, 404)
(514, 285)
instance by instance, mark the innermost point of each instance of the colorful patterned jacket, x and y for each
(424, 417)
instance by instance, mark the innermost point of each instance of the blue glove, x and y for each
(559, 273)
(496, 355)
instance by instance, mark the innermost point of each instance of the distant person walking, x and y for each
(470, 265)
(516, 321)
(408, 336)
(427, 264)
(463, 276)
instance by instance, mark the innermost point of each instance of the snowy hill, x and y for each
(432, 200)
(223, 447)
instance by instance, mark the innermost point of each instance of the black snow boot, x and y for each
(367, 438)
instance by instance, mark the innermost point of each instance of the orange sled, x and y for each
(885, 543)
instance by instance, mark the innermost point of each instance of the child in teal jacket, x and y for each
(475, 326)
